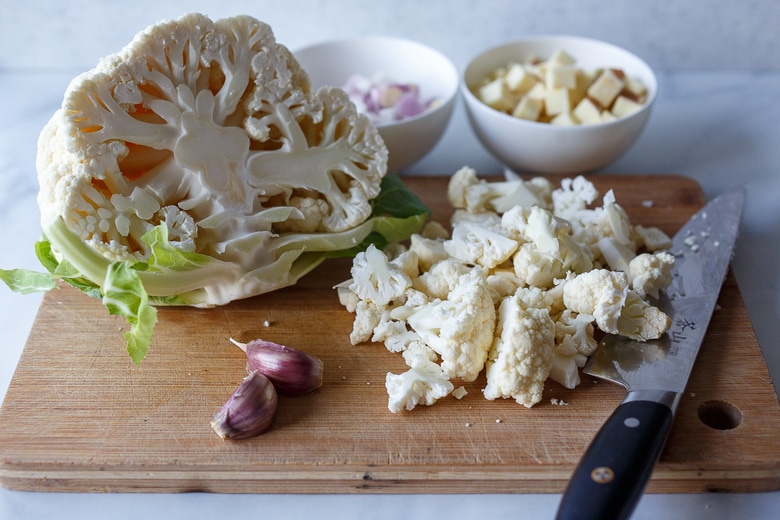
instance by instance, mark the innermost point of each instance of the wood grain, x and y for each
(79, 416)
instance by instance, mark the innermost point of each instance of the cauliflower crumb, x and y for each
(459, 393)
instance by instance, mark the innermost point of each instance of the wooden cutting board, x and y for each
(79, 416)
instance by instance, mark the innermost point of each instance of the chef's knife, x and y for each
(613, 472)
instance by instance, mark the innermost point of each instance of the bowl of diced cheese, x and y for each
(557, 104)
(408, 90)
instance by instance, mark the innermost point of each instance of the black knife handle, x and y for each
(616, 467)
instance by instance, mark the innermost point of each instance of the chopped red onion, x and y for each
(385, 101)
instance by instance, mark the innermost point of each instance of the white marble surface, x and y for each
(716, 120)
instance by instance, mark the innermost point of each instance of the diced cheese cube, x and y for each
(565, 119)
(561, 76)
(528, 108)
(537, 70)
(607, 116)
(494, 94)
(625, 107)
(518, 79)
(605, 88)
(580, 90)
(636, 88)
(587, 112)
(539, 91)
(556, 101)
(561, 57)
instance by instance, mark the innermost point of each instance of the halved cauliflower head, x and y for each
(211, 128)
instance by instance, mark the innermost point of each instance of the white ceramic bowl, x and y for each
(333, 63)
(535, 147)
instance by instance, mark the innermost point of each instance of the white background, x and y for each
(716, 120)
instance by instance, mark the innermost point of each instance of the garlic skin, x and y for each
(293, 372)
(249, 411)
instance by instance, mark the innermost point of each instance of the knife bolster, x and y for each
(665, 397)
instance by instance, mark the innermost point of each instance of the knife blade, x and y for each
(617, 465)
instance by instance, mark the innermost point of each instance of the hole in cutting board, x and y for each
(720, 415)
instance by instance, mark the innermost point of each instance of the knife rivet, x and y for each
(602, 475)
(631, 422)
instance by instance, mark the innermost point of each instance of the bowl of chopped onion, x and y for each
(406, 89)
(557, 104)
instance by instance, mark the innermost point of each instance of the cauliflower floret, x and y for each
(424, 383)
(600, 293)
(484, 219)
(574, 342)
(367, 316)
(606, 296)
(573, 197)
(441, 278)
(503, 283)
(392, 333)
(514, 222)
(478, 245)
(533, 297)
(650, 273)
(408, 262)
(460, 328)
(534, 268)
(522, 354)
(466, 191)
(550, 253)
(428, 250)
(553, 236)
(347, 298)
(435, 230)
(312, 211)
(459, 184)
(377, 280)
(417, 349)
(641, 321)
(579, 329)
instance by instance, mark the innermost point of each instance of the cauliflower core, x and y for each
(210, 128)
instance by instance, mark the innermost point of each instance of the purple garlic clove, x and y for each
(293, 372)
(249, 411)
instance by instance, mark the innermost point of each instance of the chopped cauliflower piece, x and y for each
(375, 279)
(574, 342)
(573, 196)
(516, 293)
(652, 238)
(367, 317)
(428, 250)
(522, 354)
(600, 293)
(641, 321)
(466, 191)
(441, 278)
(460, 328)
(478, 245)
(424, 383)
(650, 273)
(551, 252)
